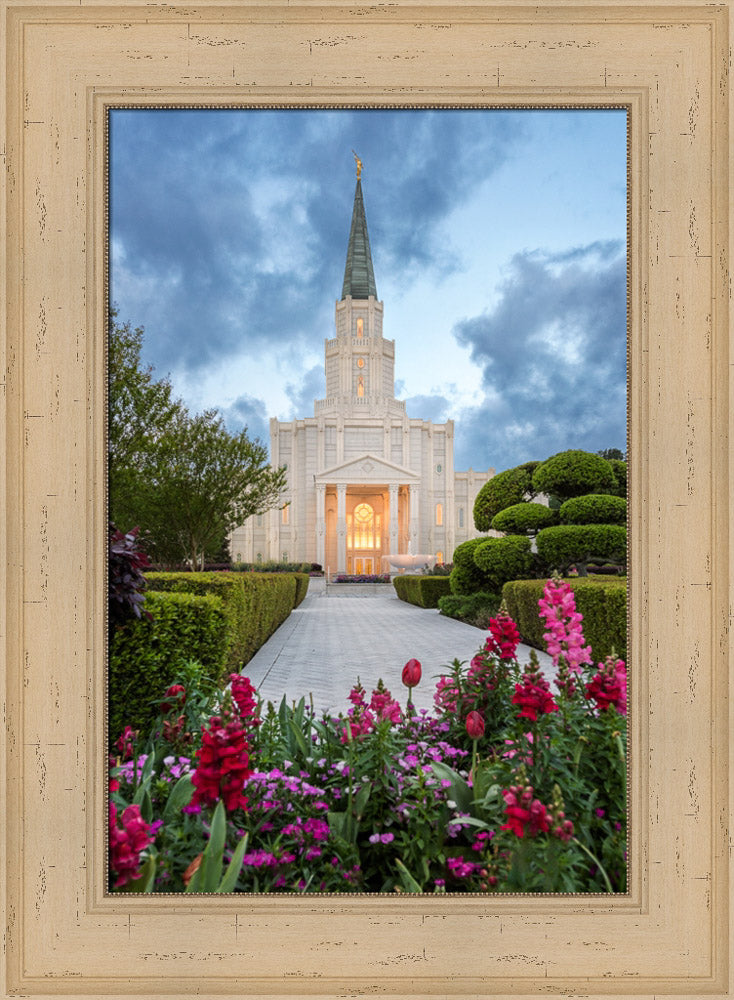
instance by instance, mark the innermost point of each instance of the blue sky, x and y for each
(499, 248)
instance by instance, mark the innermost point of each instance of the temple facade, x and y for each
(364, 479)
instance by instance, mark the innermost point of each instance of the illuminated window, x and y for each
(360, 327)
(439, 557)
(286, 514)
(360, 362)
(362, 527)
(360, 385)
(439, 514)
(461, 517)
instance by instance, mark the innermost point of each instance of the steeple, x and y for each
(359, 276)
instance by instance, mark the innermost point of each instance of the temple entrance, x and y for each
(364, 539)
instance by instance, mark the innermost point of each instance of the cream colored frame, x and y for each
(64, 65)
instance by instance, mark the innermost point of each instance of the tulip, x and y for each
(178, 692)
(411, 677)
(475, 729)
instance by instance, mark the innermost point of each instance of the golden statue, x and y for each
(359, 164)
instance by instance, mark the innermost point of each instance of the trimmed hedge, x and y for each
(503, 490)
(255, 603)
(619, 468)
(594, 508)
(522, 517)
(568, 544)
(470, 607)
(423, 591)
(503, 559)
(602, 602)
(145, 656)
(465, 577)
(573, 473)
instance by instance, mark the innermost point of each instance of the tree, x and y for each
(610, 453)
(205, 482)
(185, 481)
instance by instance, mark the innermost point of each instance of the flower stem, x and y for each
(597, 862)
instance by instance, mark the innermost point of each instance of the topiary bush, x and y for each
(573, 473)
(503, 559)
(523, 517)
(619, 468)
(465, 577)
(568, 545)
(423, 591)
(603, 604)
(146, 656)
(594, 508)
(503, 490)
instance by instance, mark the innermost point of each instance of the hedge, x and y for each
(469, 607)
(522, 517)
(573, 473)
(501, 491)
(255, 603)
(503, 559)
(466, 577)
(145, 656)
(594, 508)
(423, 591)
(568, 544)
(602, 602)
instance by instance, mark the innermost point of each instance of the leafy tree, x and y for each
(610, 453)
(503, 490)
(573, 473)
(184, 480)
(206, 481)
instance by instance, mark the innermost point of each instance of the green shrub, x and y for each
(423, 591)
(573, 473)
(272, 566)
(255, 604)
(302, 582)
(465, 577)
(594, 508)
(619, 468)
(602, 602)
(503, 490)
(476, 609)
(145, 656)
(522, 517)
(577, 544)
(503, 559)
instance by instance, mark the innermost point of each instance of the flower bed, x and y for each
(506, 786)
(362, 578)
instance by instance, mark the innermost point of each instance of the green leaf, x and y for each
(409, 883)
(229, 879)
(459, 791)
(360, 800)
(338, 824)
(211, 863)
(299, 737)
(145, 882)
(179, 797)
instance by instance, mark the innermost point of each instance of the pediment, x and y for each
(368, 468)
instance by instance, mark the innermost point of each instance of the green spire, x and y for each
(359, 277)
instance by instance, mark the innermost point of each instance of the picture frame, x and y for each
(64, 65)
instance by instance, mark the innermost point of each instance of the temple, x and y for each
(364, 479)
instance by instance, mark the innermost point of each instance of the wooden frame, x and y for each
(64, 63)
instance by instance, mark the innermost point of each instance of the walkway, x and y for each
(338, 634)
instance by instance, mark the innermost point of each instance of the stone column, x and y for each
(341, 528)
(414, 530)
(321, 523)
(393, 518)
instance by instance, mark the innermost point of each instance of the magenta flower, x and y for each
(564, 637)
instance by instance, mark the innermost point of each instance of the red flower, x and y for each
(608, 688)
(475, 725)
(223, 765)
(244, 697)
(411, 673)
(524, 813)
(127, 844)
(125, 743)
(534, 698)
(504, 637)
(178, 693)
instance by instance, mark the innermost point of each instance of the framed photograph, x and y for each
(66, 67)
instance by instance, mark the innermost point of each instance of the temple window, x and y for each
(360, 327)
(285, 513)
(360, 385)
(439, 557)
(461, 517)
(259, 557)
(439, 514)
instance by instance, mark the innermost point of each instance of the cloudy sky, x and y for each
(498, 241)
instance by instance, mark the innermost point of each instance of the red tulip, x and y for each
(178, 693)
(475, 725)
(411, 673)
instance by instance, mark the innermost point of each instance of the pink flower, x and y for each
(127, 843)
(525, 814)
(564, 636)
(223, 766)
(533, 694)
(125, 743)
(608, 687)
(446, 696)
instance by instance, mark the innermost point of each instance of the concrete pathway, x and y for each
(339, 633)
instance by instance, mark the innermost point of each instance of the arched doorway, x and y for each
(364, 538)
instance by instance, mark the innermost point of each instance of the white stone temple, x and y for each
(363, 478)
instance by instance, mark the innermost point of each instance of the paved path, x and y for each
(336, 636)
